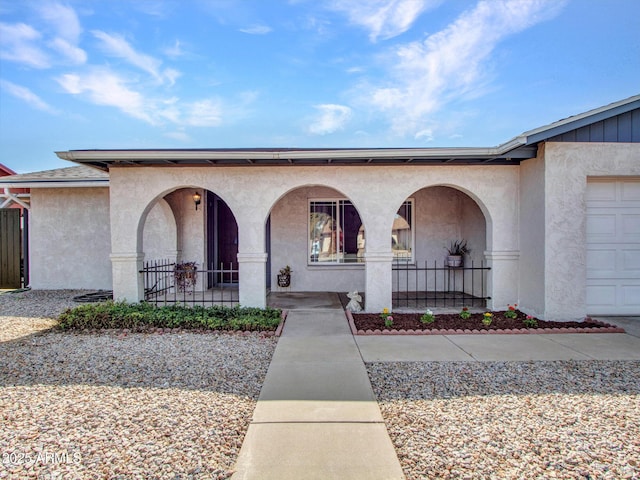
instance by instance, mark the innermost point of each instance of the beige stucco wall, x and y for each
(190, 225)
(160, 237)
(289, 246)
(376, 191)
(532, 235)
(69, 238)
(567, 167)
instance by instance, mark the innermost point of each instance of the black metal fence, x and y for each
(169, 283)
(441, 286)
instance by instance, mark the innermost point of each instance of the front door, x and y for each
(222, 244)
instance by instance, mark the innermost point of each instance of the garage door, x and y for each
(613, 247)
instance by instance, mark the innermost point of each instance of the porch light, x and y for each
(196, 198)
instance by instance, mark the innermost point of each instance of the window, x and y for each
(402, 233)
(336, 233)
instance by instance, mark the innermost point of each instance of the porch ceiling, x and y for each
(104, 159)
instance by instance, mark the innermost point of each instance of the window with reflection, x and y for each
(402, 233)
(336, 233)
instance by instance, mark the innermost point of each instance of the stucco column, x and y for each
(378, 281)
(502, 280)
(253, 279)
(128, 282)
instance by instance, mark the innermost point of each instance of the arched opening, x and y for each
(190, 243)
(318, 232)
(222, 241)
(425, 227)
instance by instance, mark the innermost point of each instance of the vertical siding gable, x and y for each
(611, 129)
(623, 128)
(635, 126)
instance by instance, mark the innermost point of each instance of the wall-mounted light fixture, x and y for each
(196, 199)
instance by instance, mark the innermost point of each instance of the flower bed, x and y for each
(452, 323)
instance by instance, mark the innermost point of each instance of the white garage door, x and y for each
(613, 247)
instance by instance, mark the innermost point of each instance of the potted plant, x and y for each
(284, 277)
(185, 274)
(457, 250)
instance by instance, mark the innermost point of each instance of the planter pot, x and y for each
(186, 275)
(454, 261)
(284, 280)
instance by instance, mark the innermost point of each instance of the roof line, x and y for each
(45, 183)
(581, 119)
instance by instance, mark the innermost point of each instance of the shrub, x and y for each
(143, 316)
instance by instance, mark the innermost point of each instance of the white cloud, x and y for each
(425, 134)
(179, 135)
(257, 30)
(73, 53)
(330, 118)
(117, 46)
(451, 63)
(26, 95)
(104, 87)
(383, 18)
(203, 113)
(18, 43)
(175, 51)
(64, 20)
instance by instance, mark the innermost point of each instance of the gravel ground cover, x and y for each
(512, 420)
(121, 405)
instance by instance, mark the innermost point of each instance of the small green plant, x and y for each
(530, 322)
(285, 270)
(428, 317)
(388, 322)
(458, 247)
(465, 313)
(487, 318)
(511, 311)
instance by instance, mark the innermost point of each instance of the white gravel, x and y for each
(512, 420)
(177, 405)
(117, 405)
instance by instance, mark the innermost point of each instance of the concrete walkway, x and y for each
(317, 417)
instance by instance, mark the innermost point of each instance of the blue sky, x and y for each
(302, 73)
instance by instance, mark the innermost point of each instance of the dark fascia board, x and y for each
(578, 121)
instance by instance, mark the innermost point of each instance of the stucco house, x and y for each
(552, 218)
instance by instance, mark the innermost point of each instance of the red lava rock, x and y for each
(452, 324)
